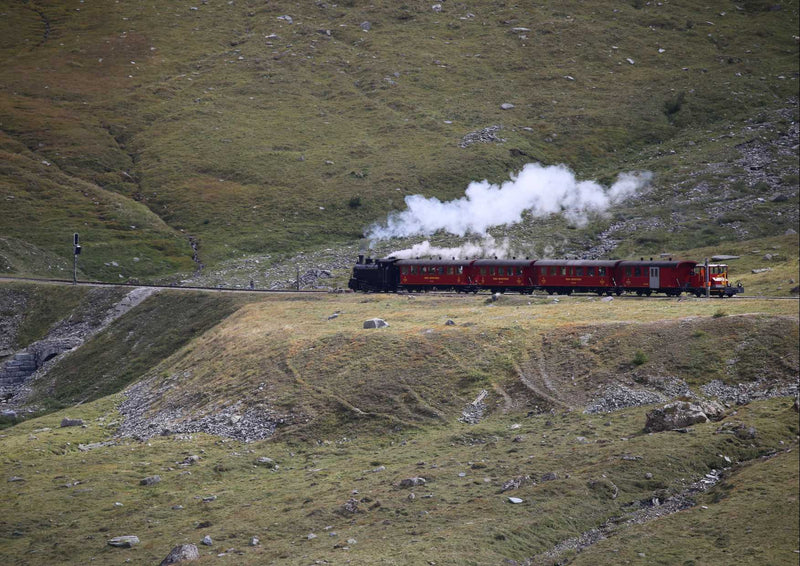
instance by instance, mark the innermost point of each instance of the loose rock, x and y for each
(676, 415)
(181, 553)
(126, 541)
(375, 323)
(150, 480)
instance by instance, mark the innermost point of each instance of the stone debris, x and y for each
(516, 483)
(744, 393)
(207, 541)
(473, 412)
(616, 397)
(350, 506)
(67, 422)
(486, 135)
(181, 553)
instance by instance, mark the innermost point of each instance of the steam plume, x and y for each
(537, 189)
(487, 247)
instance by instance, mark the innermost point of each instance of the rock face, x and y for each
(66, 421)
(678, 414)
(182, 553)
(375, 323)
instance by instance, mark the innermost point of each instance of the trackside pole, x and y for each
(707, 281)
(76, 250)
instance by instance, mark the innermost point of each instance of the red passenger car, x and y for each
(500, 275)
(566, 276)
(429, 274)
(647, 277)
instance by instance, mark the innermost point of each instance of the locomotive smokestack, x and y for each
(361, 259)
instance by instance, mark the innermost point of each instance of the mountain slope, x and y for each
(251, 128)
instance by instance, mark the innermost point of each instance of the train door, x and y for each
(655, 278)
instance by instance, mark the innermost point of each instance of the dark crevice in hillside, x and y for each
(195, 245)
(46, 24)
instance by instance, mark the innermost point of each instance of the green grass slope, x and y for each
(252, 133)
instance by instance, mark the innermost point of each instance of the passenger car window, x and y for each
(637, 272)
(601, 271)
(579, 271)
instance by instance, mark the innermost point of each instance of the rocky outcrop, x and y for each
(64, 336)
(181, 553)
(675, 415)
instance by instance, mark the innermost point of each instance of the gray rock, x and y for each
(181, 553)
(713, 409)
(150, 480)
(515, 500)
(66, 421)
(412, 482)
(126, 541)
(514, 483)
(549, 476)
(375, 323)
(266, 462)
(724, 257)
(207, 541)
(676, 415)
(506, 106)
(366, 26)
(744, 432)
(254, 541)
(350, 506)
(449, 323)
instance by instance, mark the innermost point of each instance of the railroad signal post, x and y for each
(76, 251)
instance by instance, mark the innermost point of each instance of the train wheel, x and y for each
(618, 292)
(639, 293)
(648, 292)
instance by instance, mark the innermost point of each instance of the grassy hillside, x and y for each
(147, 127)
(364, 409)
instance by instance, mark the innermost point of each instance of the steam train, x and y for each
(562, 277)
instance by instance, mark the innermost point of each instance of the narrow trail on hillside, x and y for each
(541, 385)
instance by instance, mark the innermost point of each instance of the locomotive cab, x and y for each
(716, 280)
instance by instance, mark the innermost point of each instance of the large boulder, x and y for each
(675, 415)
(181, 553)
(375, 323)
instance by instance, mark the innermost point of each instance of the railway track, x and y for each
(220, 289)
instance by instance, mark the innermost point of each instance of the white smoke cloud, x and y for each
(487, 247)
(536, 189)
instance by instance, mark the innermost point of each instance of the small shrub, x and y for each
(639, 358)
(354, 202)
(719, 314)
